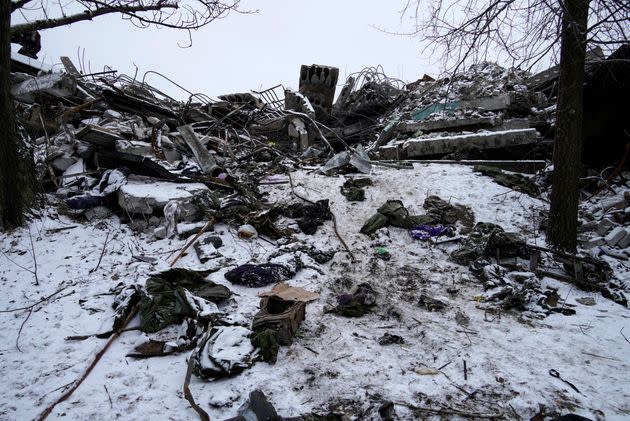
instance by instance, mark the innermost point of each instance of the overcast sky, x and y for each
(244, 52)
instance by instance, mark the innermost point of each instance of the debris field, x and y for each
(378, 254)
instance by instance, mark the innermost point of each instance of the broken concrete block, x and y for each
(318, 84)
(134, 147)
(202, 156)
(70, 174)
(488, 140)
(97, 213)
(111, 114)
(185, 230)
(63, 162)
(514, 123)
(59, 85)
(160, 233)
(494, 103)
(594, 242)
(588, 226)
(615, 236)
(297, 129)
(625, 241)
(97, 135)
(393, 152)
(617, 202)
(297, 102)
(604, 226)
(144, 195)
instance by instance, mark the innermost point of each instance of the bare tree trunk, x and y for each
(17, 175)
(562, 230)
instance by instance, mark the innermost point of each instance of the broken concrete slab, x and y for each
(145, 195)
(295, 101)
(98, 136)
(448, 125)
(493, 103)
(625, 241)
(604, 226)
(617, 202)
(59, 85)
(416, 147)
(202, 156)
(318, 84)
(134, 147)
(614, 236)
(62, 163)
(531, 166)
(594, 242)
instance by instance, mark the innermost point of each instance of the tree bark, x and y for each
(17, 174)
(562, 229)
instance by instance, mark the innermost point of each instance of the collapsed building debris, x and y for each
(197, 172)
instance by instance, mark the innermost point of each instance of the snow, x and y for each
(508, 355)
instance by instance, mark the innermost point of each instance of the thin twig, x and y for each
(33, 305)
(624, 336)
(102, 253)
(334, 219)
(343, 356)
(191, 242)
(451, 411)
(101, 335)
(17, 340)
(111, 405)
(80, 380)
(30, 236)
(312, 350)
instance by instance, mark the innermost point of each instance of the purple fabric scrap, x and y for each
(424, 232)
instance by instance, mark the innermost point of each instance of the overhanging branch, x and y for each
(86, 15)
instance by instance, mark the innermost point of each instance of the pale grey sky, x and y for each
(244, 52)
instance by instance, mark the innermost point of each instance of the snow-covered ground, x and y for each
(335, 363)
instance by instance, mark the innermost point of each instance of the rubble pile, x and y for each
(211, 176)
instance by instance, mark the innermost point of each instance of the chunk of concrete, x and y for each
(134, 147)
(625, 241)
(594, 242)
(144, 195)
(617, 202)
(98, 136)
(392, 152)
(201, 154)
(604, 226)
(494, 103)
(416, 147)
(59, 85)
(318, 84)
(614, 236)
(63, 162)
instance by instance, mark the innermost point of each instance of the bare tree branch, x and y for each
(87, 15)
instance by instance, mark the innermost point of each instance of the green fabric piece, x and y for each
(395, 212)
(267, 342)
(164, 300)
(512, 181)
(439, 212)
(353, 189)
(476, 244)
(375, 222)
(445, 213)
